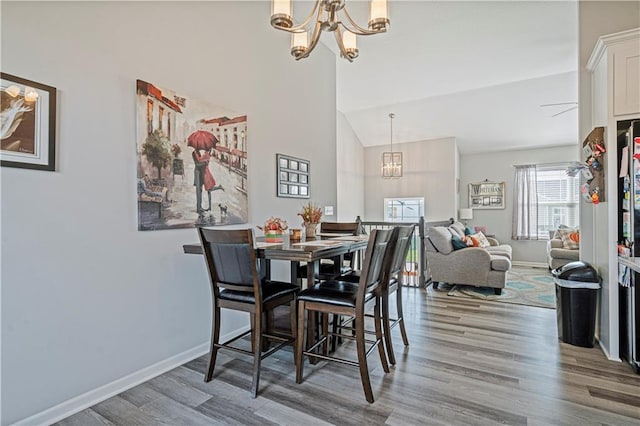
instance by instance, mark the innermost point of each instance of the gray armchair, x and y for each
(558, 256)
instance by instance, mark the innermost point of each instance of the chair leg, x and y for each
(325, 333)
(252, 322)
(362, 357)
(215, 337)
(269, 326)
(299, 342)
(387, 329)
(403, 330)
(313, 333)
(379, 336)
(257, 354)
(293, 312)
(335, 328)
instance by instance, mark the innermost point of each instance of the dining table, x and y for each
(309, 251)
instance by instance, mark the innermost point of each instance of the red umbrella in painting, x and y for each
(201, 140)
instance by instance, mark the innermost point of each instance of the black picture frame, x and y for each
(292, 177)
(32, 144)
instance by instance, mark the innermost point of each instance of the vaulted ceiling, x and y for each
(477, 71)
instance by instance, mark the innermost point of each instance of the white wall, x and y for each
(86, 298)
(350, 158)
(595, 19)
(429, 172)
(498, 167)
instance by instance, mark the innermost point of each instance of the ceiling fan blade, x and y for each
(566, 110)
(561, 103)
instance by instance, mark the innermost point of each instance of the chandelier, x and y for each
(330, 15)
(391, 161)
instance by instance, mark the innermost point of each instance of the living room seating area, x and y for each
(563, 246)
(456, 258)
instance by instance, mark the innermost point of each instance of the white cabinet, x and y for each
(626, 78)
(615, 64)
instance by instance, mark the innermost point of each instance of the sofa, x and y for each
(562, 251)
(476, 266)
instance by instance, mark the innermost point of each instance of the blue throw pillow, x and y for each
(457, 243)
(468, 231)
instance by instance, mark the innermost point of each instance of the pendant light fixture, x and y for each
(391, 161)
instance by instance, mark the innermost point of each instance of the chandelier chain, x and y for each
(391, 116)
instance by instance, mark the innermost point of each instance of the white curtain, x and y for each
(525, 204)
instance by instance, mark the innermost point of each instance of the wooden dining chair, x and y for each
(391, 284)
(349, 299)
(332, 268)
(236, 284)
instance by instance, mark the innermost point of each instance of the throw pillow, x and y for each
(556, 233)
(468, 240)
(458, 243)
(441, 239)
(468, 231)
(570, 238)
(479, 240)
(458, 227)
(456, 231)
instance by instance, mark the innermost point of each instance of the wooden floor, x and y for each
(469, 363)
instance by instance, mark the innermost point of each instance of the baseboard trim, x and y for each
(606, 352)
(88, 399)
(529, 264)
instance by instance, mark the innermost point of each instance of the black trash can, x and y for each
(577, 286)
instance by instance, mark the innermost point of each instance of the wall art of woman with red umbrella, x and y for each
(203, 143)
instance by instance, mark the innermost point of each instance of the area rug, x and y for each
(525, 286)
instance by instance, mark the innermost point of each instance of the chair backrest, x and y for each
(339, 228)
(377, 259)
(402, 245)
(231, 260)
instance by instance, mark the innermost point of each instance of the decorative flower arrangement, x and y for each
(311, 213)
(273, 229)
(176, 150)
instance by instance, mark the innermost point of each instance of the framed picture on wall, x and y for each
(28, 128)
(486, 195)
(293, 177)
(210, 143)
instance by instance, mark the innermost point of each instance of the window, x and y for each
(545, 198)
(149, 116)
(558, 198)
(403, 209)
(160, 117)
(169, 125)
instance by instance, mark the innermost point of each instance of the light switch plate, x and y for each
(328, 210)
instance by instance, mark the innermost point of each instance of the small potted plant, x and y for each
(176, 150)
(311, 215)
(273, 229)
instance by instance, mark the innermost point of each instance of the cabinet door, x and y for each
(626, 80)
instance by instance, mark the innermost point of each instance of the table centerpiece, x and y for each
(311, 215)
(274, 228)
